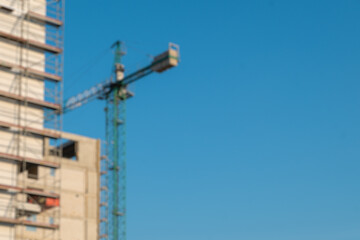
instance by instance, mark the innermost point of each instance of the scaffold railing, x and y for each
(35, 29)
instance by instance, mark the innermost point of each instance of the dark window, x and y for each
(69, 150)
(32, 169)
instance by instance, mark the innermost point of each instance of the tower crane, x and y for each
(113, 164)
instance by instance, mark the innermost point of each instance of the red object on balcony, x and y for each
(52, 202)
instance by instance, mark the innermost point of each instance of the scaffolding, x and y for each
(31, 70)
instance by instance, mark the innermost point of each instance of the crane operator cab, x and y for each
(119, 70)
(167, 59)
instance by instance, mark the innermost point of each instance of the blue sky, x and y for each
(254, 136)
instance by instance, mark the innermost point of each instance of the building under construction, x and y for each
(49, 180)
(55, 185)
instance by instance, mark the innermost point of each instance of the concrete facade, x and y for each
(80, 187)
(49, 180)
(25, 215)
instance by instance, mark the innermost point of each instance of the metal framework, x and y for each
(31, 31)
(113, 165)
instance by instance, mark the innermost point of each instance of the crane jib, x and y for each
(102, 89)
(83, 97)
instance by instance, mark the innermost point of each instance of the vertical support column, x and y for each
(116, 179)
(116, 164)
(54, 93)
(122, 164)
(116, 154)
(104, 182)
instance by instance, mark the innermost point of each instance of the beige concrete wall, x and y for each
(72, 178)
(20, 7)
(11, 112)
(23, 233)
(13, 24)
(8, 172)
(38, 6)
(30, 87)
(45, 180)
(73, 229)
(7, 205)
(24, 146)
(79, 193)
(6, 232)
(14, 53)
(38, 233)
(80, 186)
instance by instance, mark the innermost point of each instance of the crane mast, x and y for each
(116, 149)
(113, 165)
